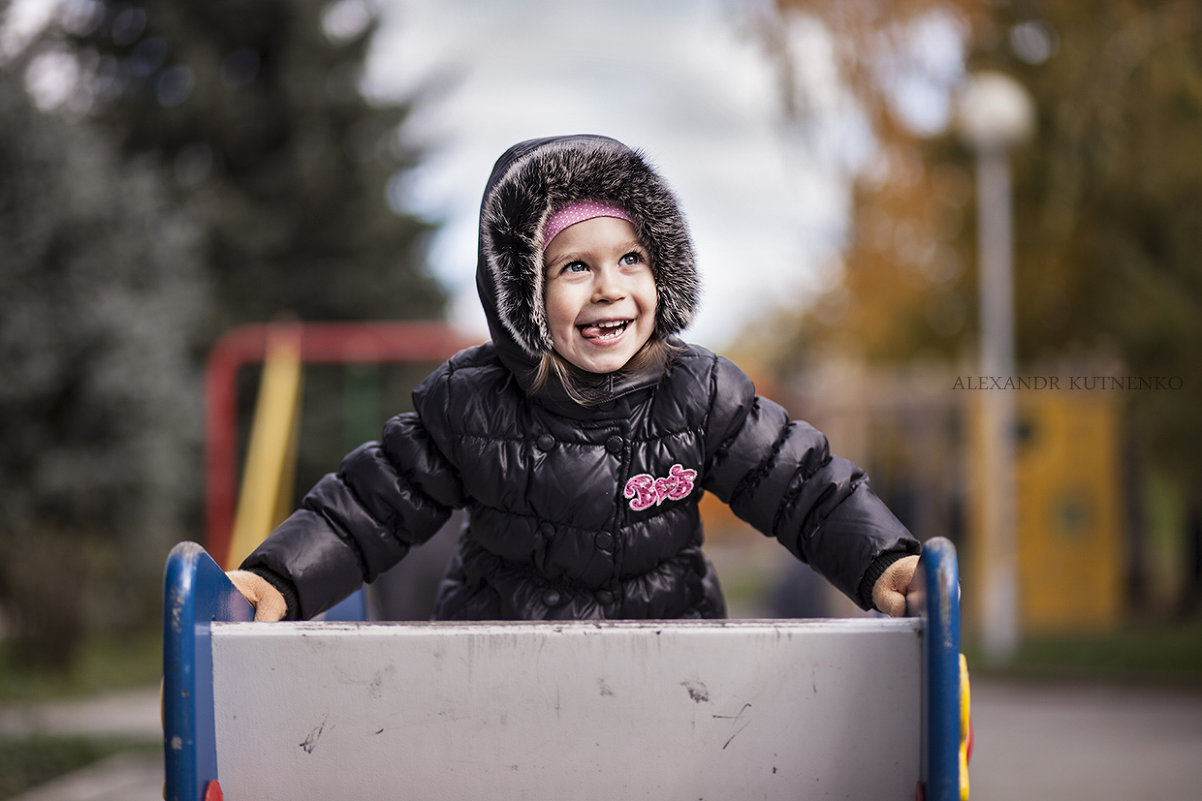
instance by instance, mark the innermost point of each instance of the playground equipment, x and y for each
(857, 709)
(265, 496)
(283, 349)
(864, 708)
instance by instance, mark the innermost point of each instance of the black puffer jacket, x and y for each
(573, 511)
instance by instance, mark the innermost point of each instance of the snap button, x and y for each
(545, 442)
(546, 529)
(605, 596)
(604, 541)
(551, 598)
(614, 444)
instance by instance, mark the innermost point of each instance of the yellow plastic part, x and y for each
(1069, 511)
(965, 727)
(265, 496)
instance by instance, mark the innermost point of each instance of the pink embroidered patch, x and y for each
(644, 490)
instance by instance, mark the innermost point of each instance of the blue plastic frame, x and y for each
(935, 596)
(197, 592)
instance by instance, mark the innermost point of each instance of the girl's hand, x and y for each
(889, 592)
(269, 604)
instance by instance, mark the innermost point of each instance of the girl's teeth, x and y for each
(605, 330)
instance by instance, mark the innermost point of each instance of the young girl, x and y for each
(580, 439)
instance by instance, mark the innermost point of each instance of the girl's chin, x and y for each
(605, 364)
(599, 359)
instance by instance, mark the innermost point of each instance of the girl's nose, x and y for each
(607, 286)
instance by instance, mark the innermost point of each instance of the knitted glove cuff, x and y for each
(286, 588)
(873, 573)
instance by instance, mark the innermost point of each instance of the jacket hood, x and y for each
(535, 178)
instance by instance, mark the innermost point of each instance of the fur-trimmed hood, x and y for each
(535, 178)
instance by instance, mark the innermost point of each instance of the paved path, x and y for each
(123, 777)
(1033, 742)
(1093, 743)
(133, 714)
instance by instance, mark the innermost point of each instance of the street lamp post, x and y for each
(995, 115)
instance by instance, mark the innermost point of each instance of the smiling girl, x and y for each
(581, 438)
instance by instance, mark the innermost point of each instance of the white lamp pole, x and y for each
(995, 115)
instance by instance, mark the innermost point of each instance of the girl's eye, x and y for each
(575, 267)
(633, 257)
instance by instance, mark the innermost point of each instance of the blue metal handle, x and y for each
(195, 593)
(935, 596)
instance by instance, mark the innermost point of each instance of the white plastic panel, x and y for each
(737, 710)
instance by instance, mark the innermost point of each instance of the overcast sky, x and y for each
(686, 81)
(681, 80)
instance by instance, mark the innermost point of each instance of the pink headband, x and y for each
(576, 212)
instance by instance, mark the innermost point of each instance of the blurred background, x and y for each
(171, 172)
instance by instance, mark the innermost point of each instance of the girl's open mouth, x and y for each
(605, 330)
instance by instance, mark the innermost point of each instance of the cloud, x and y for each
(675, 79)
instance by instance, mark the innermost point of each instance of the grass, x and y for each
(27, 762)
(1143, 653)
(102, 665)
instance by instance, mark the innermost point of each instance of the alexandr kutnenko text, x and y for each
(1077, 383)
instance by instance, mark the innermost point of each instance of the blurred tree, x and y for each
(880, 73)
(1108, 202)
(1106, 196)
(255, 109)
(296, 178)
(185, 167)
(101, 289)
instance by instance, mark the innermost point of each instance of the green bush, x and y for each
(27, 762)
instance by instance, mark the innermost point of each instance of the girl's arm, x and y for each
(779, 476)
(354, 524)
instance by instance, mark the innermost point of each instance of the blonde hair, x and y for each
(657, 353)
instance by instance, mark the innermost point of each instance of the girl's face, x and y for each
(600, 294)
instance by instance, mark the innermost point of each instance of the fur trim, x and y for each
(561, 171)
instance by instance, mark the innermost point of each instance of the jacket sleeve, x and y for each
(386, 497)
(779, 476)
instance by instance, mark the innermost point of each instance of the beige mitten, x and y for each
(889, 592)
(269, 604)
